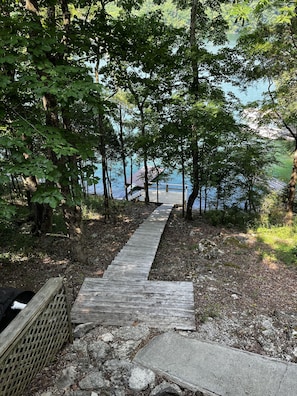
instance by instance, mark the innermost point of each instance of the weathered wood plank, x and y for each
(130, 252)
(124, 320)
(156, 303)
(138, 300)
(95, 283)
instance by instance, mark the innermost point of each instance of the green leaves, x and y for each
(50, 195)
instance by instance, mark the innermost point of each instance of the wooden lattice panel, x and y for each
(33, 338)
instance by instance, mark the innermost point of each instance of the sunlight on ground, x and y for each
(270, 261)
(283, 242)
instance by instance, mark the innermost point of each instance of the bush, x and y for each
(230, 217)
(272, 211)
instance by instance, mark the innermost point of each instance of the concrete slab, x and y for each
(214, 369)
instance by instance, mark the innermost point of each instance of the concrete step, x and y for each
(214, 369)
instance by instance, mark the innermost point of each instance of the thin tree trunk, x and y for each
(123, 155)
(104, 166)
(146, 182)
(292, 191)
(194, 91)
(195, 180)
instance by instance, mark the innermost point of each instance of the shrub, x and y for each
(230, 217)
(272, 210)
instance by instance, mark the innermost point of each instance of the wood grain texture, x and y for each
(125, 296)
(157, 304)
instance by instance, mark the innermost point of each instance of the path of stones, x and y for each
(100, 363)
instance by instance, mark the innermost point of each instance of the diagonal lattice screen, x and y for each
(34, 337)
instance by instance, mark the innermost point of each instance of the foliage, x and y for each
(268, 47)
(232, 217)
(272, 210)
(61, 71)
(47, 96)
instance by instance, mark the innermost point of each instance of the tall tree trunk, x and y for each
(183, 178)
(194, 90)
(41, 214)
(102, 149)
(146, 181)
(72, 210)
(292, 191)
(123, 155)
(195, 178)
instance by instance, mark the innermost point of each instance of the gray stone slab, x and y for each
(214, 369)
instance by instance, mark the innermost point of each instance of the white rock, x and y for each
(107, 337)
(141, 379)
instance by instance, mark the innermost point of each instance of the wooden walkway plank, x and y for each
(155, 303)
(139, 252)
(125, 296)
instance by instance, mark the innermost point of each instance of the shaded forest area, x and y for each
(86, 83)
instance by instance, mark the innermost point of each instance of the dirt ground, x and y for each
(241, 299)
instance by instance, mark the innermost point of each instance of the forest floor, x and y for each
(242, 298)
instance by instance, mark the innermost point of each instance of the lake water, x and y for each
(253, 93)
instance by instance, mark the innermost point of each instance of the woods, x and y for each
(70, 68)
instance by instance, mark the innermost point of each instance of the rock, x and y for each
(124, 349)
(268, 328)
(83, 329)
(101, 360)
(166, 389)
(118, 365)
(118, 371)
(107, 337)
(209, 249)
(141, 379)
(93, 381)
(98, 351)
(67, 377)
(81, 354)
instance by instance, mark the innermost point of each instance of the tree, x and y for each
(204, 70)
(268, 44)
(142, 63)
(43, 135)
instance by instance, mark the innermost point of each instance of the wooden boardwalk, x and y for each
(125, 296)
(134, 261)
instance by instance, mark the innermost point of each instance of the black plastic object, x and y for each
(8, 296)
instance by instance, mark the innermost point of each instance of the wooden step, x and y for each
(157, 304)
